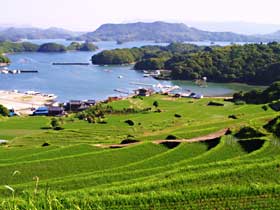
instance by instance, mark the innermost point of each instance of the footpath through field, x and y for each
(208, 137)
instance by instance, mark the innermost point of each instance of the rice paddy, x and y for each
(77, 169)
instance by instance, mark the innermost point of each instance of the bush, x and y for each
(275, 106)
(171, 137)
(129, 141)
(248, 132)
(273, 126)
(45, 144)
(155, 104)
(129, 122)
(4, 111)
(265, 108)
(233, 117)
(56, 123)
(213, 103)
(177, 116)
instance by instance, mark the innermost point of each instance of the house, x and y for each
(73, 105)
(144, 92)
(77, 105)
(41, 111)
(90, 102)
(56, 111)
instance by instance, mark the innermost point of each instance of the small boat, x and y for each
(5, 71)
(120, 76)
(146, 75)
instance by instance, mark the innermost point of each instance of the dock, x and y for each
(140, 83)
(121, 91)
(72, 64)
(16, 71)
(165, 90)
(29, 71)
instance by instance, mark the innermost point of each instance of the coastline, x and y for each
(23, 103)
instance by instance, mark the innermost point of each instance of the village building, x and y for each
(56, 111)
(144, 92)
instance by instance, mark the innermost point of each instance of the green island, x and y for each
(16, 47)
(157, 152)
(249, 63)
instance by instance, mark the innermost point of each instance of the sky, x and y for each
(87, 15)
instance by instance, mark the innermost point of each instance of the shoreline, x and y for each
(24, 102)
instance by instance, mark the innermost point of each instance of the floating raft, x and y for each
(73, 64)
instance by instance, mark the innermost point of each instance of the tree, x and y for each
(155, 104)
(4, 111)
(56, 123)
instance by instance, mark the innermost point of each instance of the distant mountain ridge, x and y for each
(162, 32)
(16, 34)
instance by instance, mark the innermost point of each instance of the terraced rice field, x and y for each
(72, 173)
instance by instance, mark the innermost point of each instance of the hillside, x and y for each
(249, 63)
(239, 170)
(16, 34)
(160, 32)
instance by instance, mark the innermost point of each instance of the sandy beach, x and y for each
(22, 103)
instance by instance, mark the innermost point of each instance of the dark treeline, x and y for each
(13, 47)
(250, 63)
(269, 95)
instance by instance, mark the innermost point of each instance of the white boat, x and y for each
(120, 76)
(5, 71)
(146, 75)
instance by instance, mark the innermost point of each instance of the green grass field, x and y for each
(73, 173)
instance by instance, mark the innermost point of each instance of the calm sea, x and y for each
(90, 82)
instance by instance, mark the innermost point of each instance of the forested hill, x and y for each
(161, 32)
(17, 34)
(250, 63)
(14, 47)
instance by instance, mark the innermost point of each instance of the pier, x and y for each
(16, 71)
(121, 91)
(72, 64)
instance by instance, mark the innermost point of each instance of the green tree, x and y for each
(56, 123)
(4, 111)
(156, 104)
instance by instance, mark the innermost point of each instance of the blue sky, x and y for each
(89, 14)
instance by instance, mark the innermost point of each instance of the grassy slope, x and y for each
(197, 119)
(149, 175)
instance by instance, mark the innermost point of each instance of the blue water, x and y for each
(86, 82)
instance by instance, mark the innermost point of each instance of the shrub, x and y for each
(129, 141)
(155, 104)
(4, 111)
(56, 123)
(275, 106)
(265, 108)
(171, 137)
(233, 117)
(213, 103)
(129, 122)
(45, 144)
(248, 132)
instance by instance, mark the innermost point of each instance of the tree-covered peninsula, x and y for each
(153, 54)
(249, 63)
(4, 60)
